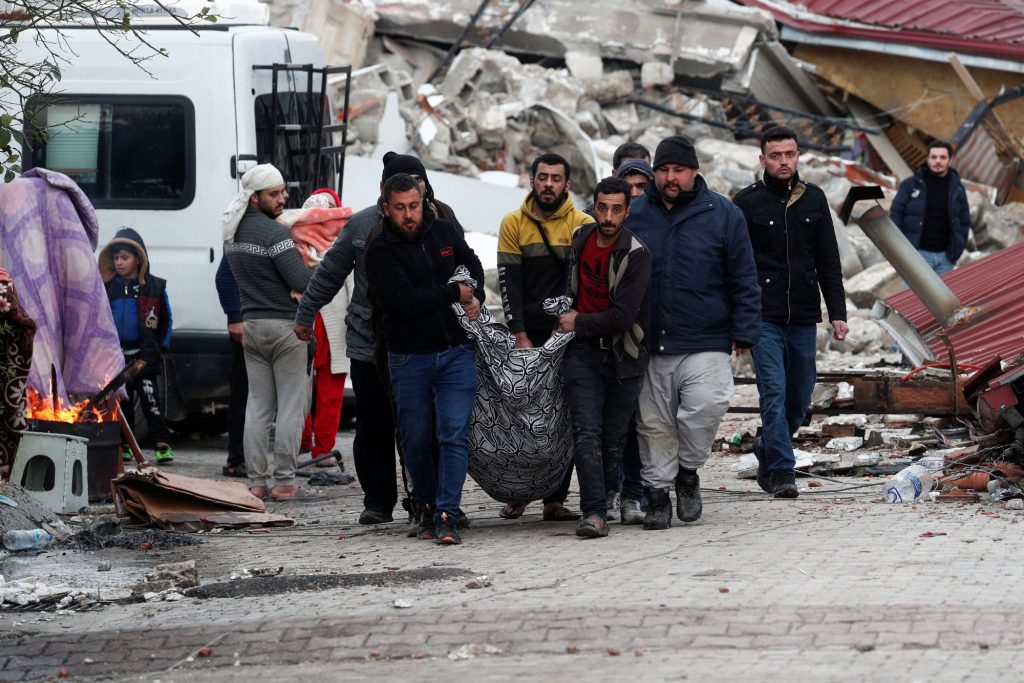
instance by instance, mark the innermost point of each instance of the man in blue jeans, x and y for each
(931, 209)
(409, 258)
(610, 282)
(796, 254)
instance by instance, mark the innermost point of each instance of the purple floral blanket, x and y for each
(48, 235)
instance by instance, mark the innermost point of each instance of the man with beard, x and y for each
(534, 244)
(409, 262)
(373, 448)
(932, 211)
(705, 302)
(268, 269)
(610, 283)
(794, 242)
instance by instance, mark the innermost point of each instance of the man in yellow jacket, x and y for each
(534, 246)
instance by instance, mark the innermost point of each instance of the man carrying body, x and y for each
(932, 211)
(534, 244)
(268, 268)
(794, 243)
(430, 359)
(374, 446)
(604, 365)
(705, 302)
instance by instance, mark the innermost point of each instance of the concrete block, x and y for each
(656, 73)
(584, 66)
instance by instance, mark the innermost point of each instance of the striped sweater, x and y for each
(267, 268)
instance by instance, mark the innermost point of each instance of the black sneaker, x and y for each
(447, 530)
(371, 516)
(783, 483)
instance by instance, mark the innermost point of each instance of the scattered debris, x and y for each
(471, 650)
(479, 582)
(401, 604)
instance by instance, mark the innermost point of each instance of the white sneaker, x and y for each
(631, 512)
(613, 506)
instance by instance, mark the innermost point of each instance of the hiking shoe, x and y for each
(659, 510)
(783, 484)
(762, 465)
(447, 530)
(630, 511)
(613, 503)
(371, 516)
(688, 503)
(164, 455)
(592, 526)
(126, 454)
(426, 530)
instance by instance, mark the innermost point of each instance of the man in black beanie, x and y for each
(374, 446)
(705, 303)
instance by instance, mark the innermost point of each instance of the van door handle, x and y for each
(211, 254)
(242, 163)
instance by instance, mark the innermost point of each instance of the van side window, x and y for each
(125, 152)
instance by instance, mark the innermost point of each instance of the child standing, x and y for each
(142, 313)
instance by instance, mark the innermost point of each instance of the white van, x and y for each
(163, 152)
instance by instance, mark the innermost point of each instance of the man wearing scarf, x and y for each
(269, 272)
(795, 248)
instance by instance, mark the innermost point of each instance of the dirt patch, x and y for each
(275, 585)
(129, 540)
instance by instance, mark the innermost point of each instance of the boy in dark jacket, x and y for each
(142, 313)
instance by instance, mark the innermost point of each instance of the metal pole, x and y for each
(912, 267)
(458, 41)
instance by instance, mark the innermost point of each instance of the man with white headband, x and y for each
(268, 269)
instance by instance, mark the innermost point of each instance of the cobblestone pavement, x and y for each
(833, 586)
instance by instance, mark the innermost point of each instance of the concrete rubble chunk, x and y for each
(845, 443)
(653, 74)
(864, 336)
(584, 65)
(874, 283)
(179, 574)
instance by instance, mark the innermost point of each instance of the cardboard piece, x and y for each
(174, 501)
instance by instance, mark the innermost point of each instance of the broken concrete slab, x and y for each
(179, 574)
(654, 74)
(879, 281)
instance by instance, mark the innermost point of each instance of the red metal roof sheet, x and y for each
(995, 286)
(988, 27)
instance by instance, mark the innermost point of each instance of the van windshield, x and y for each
(124, 152)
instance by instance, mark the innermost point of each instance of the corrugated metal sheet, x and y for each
(988, 27)
(977, 160)
(995, 286)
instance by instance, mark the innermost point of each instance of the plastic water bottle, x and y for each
(909, 484)
(27, 539)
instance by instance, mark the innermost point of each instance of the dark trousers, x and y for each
(632, 484)
(537, 338)
(374, 446)
(145, 390)
(784, 362)
(601, 406)
(236, 405)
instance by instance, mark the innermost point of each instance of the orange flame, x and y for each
(42, 408)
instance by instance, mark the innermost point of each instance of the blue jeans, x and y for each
(784, 361)
(937, 260)
(632, 484)
(434, 394)
(601, 406)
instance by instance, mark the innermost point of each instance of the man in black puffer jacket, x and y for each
(932, 211)
(796, 253)
(409, 261)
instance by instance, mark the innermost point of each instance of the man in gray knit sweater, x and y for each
(270, 274)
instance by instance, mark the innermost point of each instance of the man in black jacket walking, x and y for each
(433, 376)
(610, 282)
(796, 254)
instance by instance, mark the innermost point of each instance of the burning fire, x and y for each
(42, 408)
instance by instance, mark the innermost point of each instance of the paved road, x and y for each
(834, 585)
